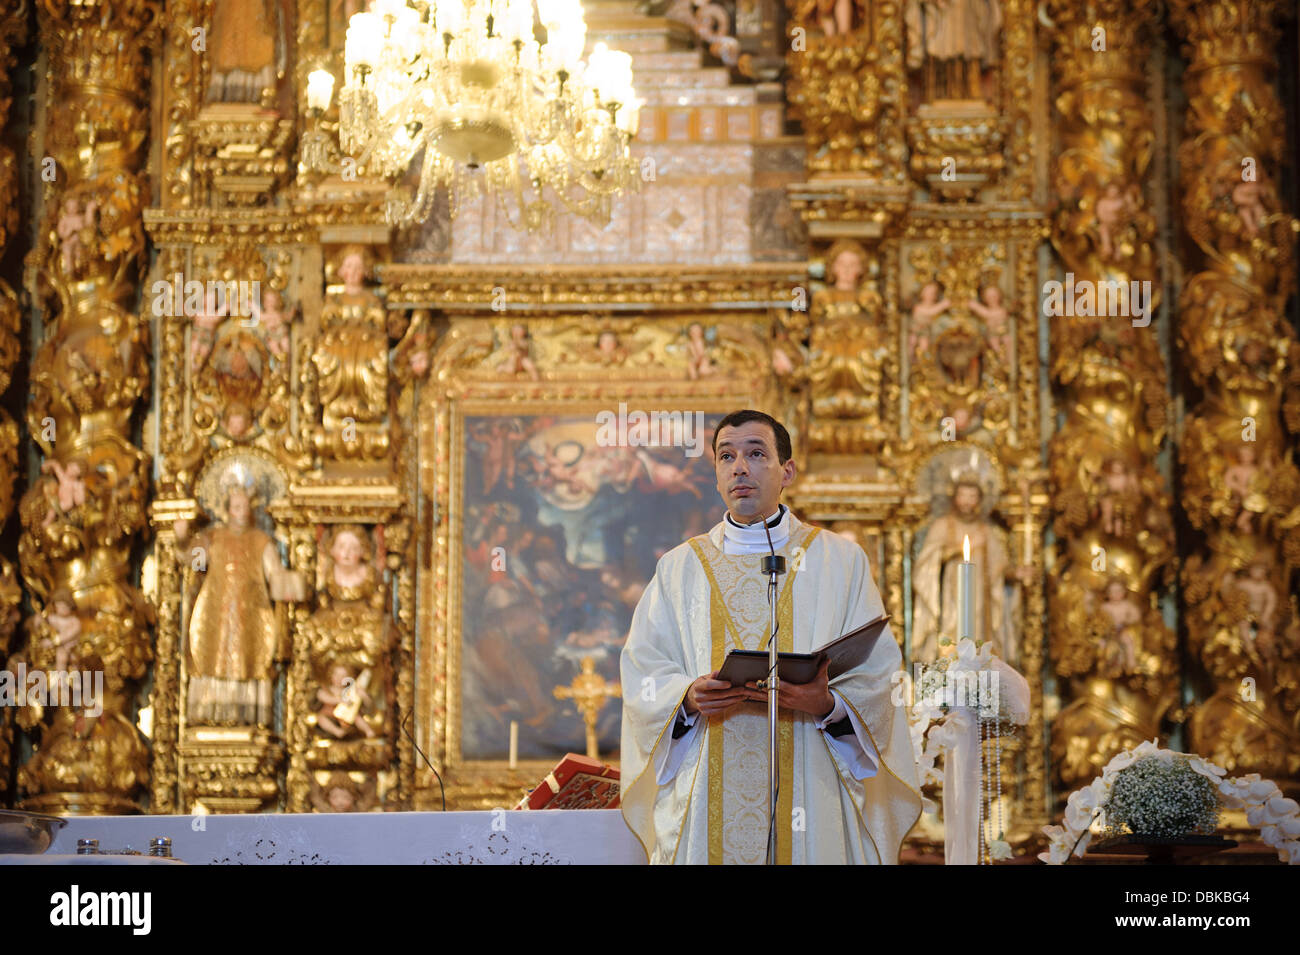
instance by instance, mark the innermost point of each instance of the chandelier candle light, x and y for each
(467, 83)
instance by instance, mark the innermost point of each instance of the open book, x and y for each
(845, 652)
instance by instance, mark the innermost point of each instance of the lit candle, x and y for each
(965, 591)
(514, 744)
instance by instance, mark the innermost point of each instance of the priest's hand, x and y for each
(813, 697)
(713, 697)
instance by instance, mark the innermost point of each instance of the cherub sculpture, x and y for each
(64, 624)
(990, 308)
(1121, 496)
(1119, 650)
(1248, 197)
(74, 221)
(1115, 209)
(519, 359)
(698, 363)
(930, 304)
(275, 321)
(343, 699)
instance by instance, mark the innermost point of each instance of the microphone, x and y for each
(773, 564)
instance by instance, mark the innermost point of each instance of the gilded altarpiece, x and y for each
(317, 553)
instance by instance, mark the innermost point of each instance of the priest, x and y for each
(695, 749)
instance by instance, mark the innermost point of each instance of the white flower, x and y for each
(1080, 809)
(1126, 758)
(1233, 794)
(1206, 768)
(1058, 845)
(965, 656)
(1262, 789)
(1279, 808)
(999, 849)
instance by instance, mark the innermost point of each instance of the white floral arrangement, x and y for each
(927, 716)
(1277, 817)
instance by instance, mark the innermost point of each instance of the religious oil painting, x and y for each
(562, 519)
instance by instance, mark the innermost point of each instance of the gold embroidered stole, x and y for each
(738, 741)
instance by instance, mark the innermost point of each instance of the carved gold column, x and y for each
(13, 31)
(1112, 653)
(87, 378)
(1241, 488)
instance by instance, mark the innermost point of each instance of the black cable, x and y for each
(441, 787)
(771, 671)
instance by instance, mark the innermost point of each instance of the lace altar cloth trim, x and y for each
(496, 837)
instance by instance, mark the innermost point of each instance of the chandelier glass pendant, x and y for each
(467, 83)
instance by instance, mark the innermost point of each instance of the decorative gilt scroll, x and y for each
(1241, 487)
(1110, 646)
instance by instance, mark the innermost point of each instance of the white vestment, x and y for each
(847, 800)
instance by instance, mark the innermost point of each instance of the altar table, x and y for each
(495, 837)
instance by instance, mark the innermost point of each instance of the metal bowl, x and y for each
(27, 833)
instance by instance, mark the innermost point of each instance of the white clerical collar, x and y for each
(753, 537)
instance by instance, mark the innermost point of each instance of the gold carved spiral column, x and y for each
(87, 378)
(1241, 490)
(1109, 645)
(13, 30)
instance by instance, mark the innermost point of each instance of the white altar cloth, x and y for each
(496, 837)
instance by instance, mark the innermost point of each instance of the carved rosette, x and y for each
(1241, 489)
(1111, 505)
(13, 31)
(87, 378)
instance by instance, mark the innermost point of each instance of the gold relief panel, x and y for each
(960, 321)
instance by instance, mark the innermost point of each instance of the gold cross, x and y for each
(589, 691)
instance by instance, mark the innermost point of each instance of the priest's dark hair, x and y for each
(737, 418)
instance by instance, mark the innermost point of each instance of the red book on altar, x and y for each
(576, 783)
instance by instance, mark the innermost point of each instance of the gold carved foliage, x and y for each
(844, 87)
(1241, 489)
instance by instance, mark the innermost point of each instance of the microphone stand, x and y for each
(772, 566)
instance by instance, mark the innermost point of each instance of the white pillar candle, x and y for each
(965, 592)
(514, 744)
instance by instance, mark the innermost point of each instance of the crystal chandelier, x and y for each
(467, 83)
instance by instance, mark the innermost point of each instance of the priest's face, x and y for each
(750, 477)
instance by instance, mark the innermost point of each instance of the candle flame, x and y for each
(965, 547)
